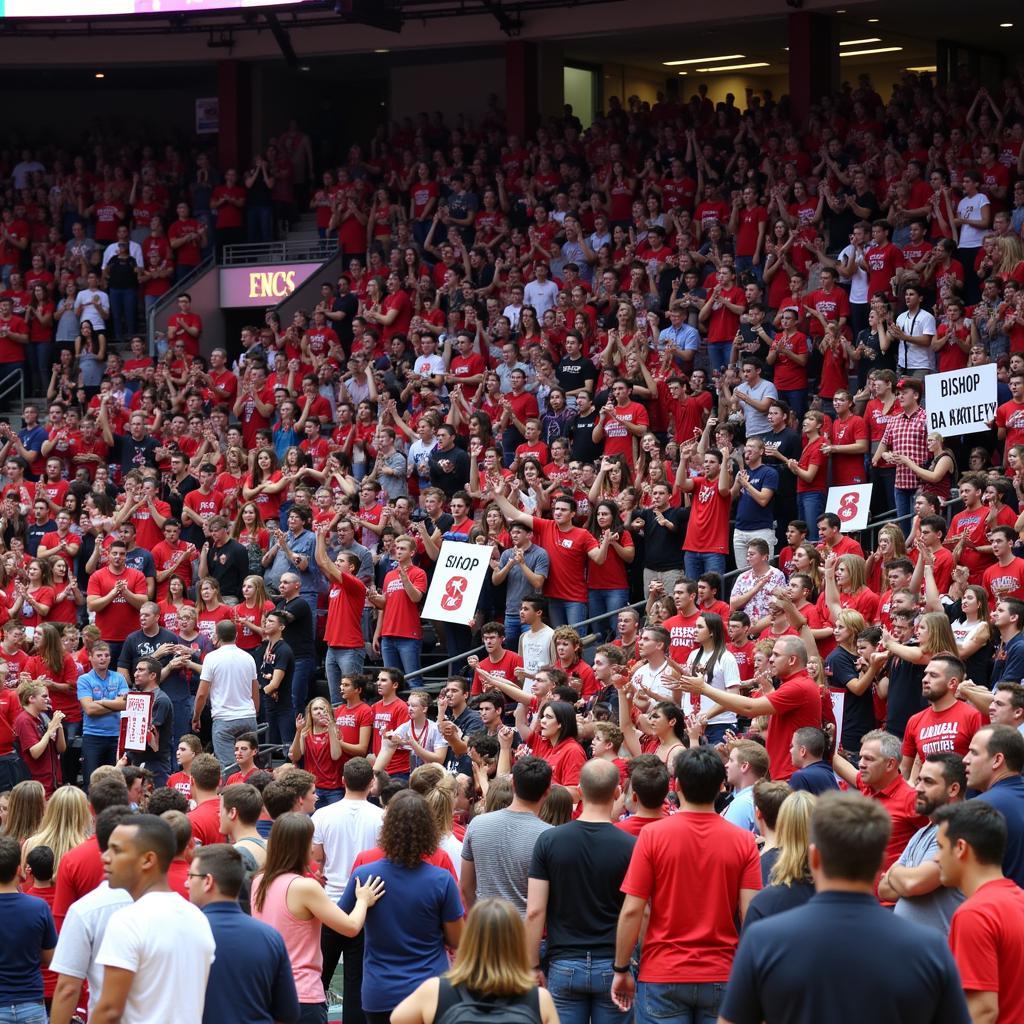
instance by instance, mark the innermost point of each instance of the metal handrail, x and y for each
(288, 250)
(164, 303)
(14, 382)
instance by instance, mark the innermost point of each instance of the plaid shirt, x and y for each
(907, 435)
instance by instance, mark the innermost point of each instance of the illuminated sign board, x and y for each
(261, 286)
(99, 8)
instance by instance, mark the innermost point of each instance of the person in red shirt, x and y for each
(832, 541)
(947, 725)
(1006, 577)
(957, 334)
(185, 325)
(721, 313)
(621, 421)
(189, 747)
(1010, 416)
(748, 223)
(205, 817)
(40, 735)
(388, 714)
(932, 532)
(228, 202)
(682, 627)
(115, 595)
(187, 237)
(849, 443)
(343, 633)
(517, 406)
(789, 353)
(398, 636)
(881, 260)
(968, 532)
(986, 934)
(354, 718)
(13, 338)
(499, 662)
(246, 748)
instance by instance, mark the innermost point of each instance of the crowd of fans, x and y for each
(629, 363)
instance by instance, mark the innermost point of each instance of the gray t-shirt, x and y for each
(756, 422)
(500, 845)
(517, 586)
(935, 909)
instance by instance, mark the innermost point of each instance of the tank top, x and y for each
(301, 939)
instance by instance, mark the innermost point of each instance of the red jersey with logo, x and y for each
(882, 261)
(1010, 417)
(346, 602)
(708, 527)
(1004, 581)
(119, 618)
(682, 631)
(848, 469)
(504, 668)
(351, 719)
(942, 732)
(567, 551)
(402, 616)
(387, 718)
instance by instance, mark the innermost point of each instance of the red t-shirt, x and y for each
(438, 858)
(796, 703)
(182, 782)
(1008, 579)
(317, 760)
(81, 871)
(68, 676)
(744, 658)
(691, 868)
(611, 573)
(938, 732)
(206, 823)
(345, 612)
(118, 618)
(748, 225)
(708, 527)
(247, 639)
(986, 936)
(350, 721)
(387, 718)
(1010, 417)
(682, 631)
(566, 759)
(723, 322)
(504, 668)
(401, 615)
(848, 469)
(567, 551)
(789, 376)
(899, 800)
(972, 521)
(882, 261)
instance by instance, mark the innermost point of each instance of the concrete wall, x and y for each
(455, 87)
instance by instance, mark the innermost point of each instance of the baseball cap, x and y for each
(910, 382)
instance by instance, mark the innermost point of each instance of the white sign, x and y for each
(208, 115)
(458, 577)
(838, 698)
(852, 504)
(961, 401)
(135, 718)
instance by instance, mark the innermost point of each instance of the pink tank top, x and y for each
(301, 939)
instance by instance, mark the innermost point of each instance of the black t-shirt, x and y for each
(905, 698)
(121, 274)
(132, 454)
(449, 470)
(582, 446)
(158, 761)
(774, 899)
(663, 548)
(573, 374)
(34, 533)
(858, 712)
(298, 634)
(584, 863)
(138, 646)
(175, 497)
(786, 441)
(228, 565)
(349, 305)
(784, 968)
(268, 660)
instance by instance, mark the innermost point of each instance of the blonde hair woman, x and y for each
(934, 636)
(845, 587)
(25, 809)
(490, 965)
(66, 823)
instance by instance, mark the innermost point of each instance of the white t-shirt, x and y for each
(726, 676)
(541, 296)
(916, 357)
(82, 934)
(536, 650)
(453, 847)
(230, 671)
(969, 208)
(345, 829)
(653, 679)
(167, 944)
(431, 739)
(859, 279)
(98, 301)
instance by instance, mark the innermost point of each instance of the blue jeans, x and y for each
(401, 652)
(280, 718)
(580, 990)
(566, 613)
(259, 224)
(809, 506)
(23, 1013)
(301, 678)
(182, 719)
(123, 306)
(341, 662)
(697, 563)
(225, 732)
(324, 797)
(40, 361)
(681, 1003)
(796, 399)
(718, 354)
(905, 507)
(97, 750)
(514, 629)
(607, 603)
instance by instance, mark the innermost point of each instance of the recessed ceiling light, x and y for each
(684, 72)
(1006, 24)
(702, 60)
(877, 49)
(735, 67)
(381, 51)
(858, 42)
(304, 67)
(872, 21)
(928, 68)
(842, 10)
(100, 74)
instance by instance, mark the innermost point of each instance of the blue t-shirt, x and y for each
(114, 686)
(1007, 796)
(28, 930)
(398, 960)
(749, 515)
(815, 778)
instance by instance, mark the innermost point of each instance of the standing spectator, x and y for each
(40, 735)
(28, 941)
(755, 515)
(398, 636)
(259, 988)
(754, 396)
(187, 238)
(223, 558)
(296, 609)
(159, 938)
(101, 692)
(157, 755)
(698, 873)
(523, 568)
(662, 529)
(914, 880)
(994, 764)
(229, 681)
(116, 593)
(973, 218)
(228, 203)
(91, 304)
(812, 774)
(292, 551)
(905, 434)
(575, 892)
(914, 329)
(987, 933)
(498, 847)
(781, 970)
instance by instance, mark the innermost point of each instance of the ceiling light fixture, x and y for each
(702, 60)
(99, 74)
(929, 68)
(381, 51)
(872, 21)
(859, 42)
(1006, 24)
(735, 67)
(877, 49)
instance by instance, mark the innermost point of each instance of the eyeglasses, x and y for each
(194, 874)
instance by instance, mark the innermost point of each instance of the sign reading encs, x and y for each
(261, 286)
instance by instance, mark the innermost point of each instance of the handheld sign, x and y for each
(458, 577)
(852, 504)
(961, 401)
(138, 707)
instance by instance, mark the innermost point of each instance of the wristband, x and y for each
(621, 970)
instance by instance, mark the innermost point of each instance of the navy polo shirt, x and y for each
(815, 778)
(749, 515)
(789, 968)
(1007, 796)
(251, 978)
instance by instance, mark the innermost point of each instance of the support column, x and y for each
(522, 98)
(234, 143)
(813, 60)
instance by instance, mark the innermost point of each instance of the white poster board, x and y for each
(852, 504)
(458, 577)
(135, 720)
(838, 706)
(207, 115)
(961, 401)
